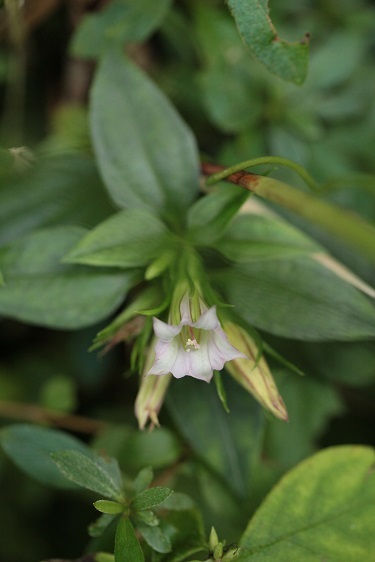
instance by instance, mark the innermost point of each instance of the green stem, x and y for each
(347, 225)
(278, 160)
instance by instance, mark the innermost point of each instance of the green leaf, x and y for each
(57, 191)
(323, 509)
(127, 239)
(151, 497)
(298, 299)
(155, 538)
(30, 449)
(122, 21)
(255, 237)
(127, 547)
(94, 473)
(41, 290)
(215, 436)
(148, 157)
(286, 60)
(209, 216)
(109, 507)
(143, 479)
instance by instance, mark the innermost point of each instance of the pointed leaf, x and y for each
(127, 239)
(147, 155)
(287, 60)
(151, 497)
(127, 547)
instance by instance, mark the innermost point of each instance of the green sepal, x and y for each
(221, 390)
(150, 297)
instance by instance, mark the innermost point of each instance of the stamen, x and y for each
(191, 343)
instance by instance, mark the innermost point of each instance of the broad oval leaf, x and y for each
(41, 290)
(323, 509)
(298, 298)
(91, 472)
(286, 60)
(30, 449)
(130, 238)
(146, 154)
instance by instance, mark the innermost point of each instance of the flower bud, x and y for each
(151, 394)
(256, 378)
(213, 540)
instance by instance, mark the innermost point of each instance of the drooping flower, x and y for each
(189, 348)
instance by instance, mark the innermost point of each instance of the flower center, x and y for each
(189, 339)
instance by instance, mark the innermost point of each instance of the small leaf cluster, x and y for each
(134, 502)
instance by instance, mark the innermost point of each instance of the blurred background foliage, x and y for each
(237, 110)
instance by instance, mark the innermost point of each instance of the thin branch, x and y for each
(36, 414)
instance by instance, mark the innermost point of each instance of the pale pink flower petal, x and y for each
(192, 349)
(165, 332)
(208, 320)
(165, 357)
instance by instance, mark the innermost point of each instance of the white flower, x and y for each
(192, 349)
